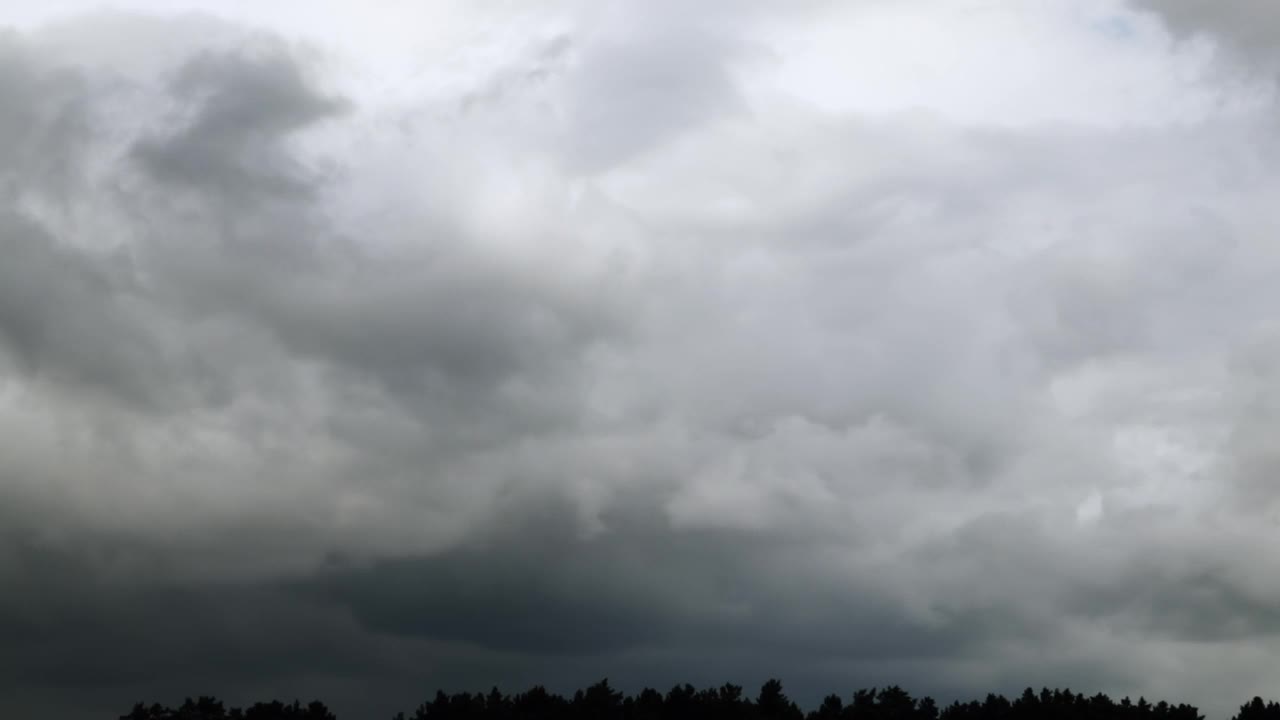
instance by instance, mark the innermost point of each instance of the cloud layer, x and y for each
(619, 340)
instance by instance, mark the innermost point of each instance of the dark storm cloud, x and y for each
(536, 586)
(1193, 605)
(95, 625)
(242, 104)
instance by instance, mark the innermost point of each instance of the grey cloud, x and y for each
(69, 317)
(1252, 27)
(440, 324)
(629, 363)
(243, 104)
(637, 81)
(631, 95)
(1198, 606)
(44, 123)
(447, 326)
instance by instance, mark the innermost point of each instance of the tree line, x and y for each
(727, 702)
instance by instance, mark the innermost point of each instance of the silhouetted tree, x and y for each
(1256, 709)
(773, 704)
(832, 708)
(598, 702)
(538, 704)
(648, 705)
(681, 703)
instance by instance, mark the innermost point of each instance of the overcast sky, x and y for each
(350, 350)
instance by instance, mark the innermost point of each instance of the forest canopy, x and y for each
(601, 701)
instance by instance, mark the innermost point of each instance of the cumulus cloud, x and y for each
(679, 346)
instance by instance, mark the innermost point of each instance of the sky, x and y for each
(352, 350)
